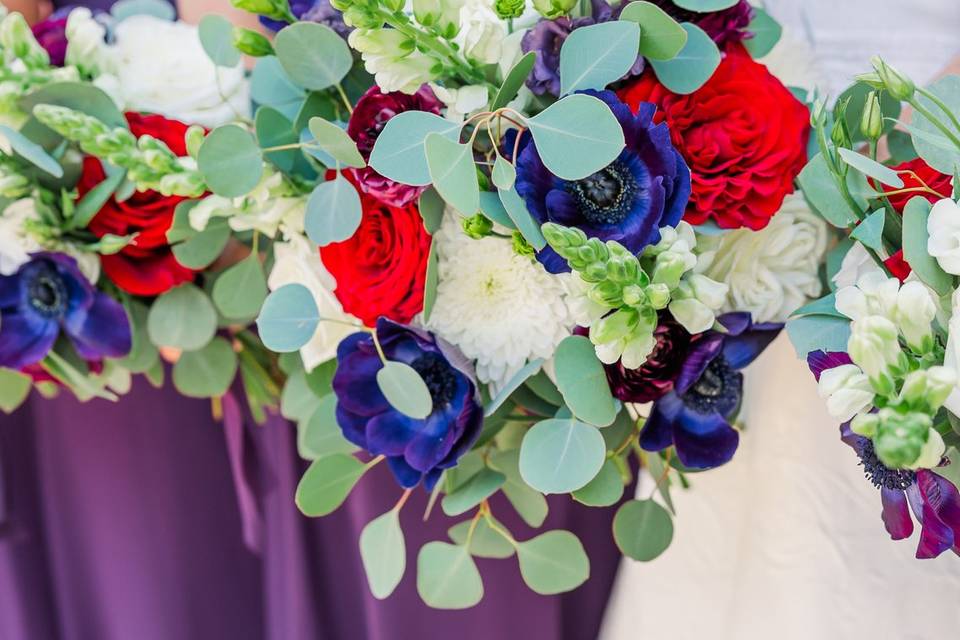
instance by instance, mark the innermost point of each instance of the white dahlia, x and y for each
(501, 309)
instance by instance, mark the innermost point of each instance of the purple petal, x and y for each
(9, 291)
(407, 476)
(432, 442)
(657, 433)
(820, 361)
(355, 384)
(701, 354)
(354, 427)
(704, 441)
(25, 340)
(390, 432)
(896, 513)
(103, 331)
(936, 535)
(740, 350)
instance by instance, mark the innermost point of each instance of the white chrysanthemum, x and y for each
(771, 272)
(501, 309)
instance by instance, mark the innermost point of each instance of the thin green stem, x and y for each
(932, 97)
(376, 343)
(936, 121)
(343, 96)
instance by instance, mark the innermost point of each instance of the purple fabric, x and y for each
(124, 523)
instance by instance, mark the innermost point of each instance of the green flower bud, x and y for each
(897, 85)
(110, 244)
(658, 295)
(871, 122)
(14, 186)
(251, 42)
(900, 437)
(17, 38)
(616, 326)
(634, 296)
(274, 9)
(193, 138)
(362, 17)
(865, 424)
(521, 247)
(554, 8)
(606, 293)
(477, 226)
(508, 9)
(393, 5)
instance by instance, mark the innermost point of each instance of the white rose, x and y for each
(297, 262)
(269, 208)
(161, 67)
(481, 32)
(943, 227)
(771, 272)
(847, 391)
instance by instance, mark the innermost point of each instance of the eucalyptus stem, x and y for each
(936, 121)
(932, 97)
(343, 96)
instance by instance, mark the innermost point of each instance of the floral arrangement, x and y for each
(882, 342)
(509, 249)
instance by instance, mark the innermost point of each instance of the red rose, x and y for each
(743, 135)
(381, 270)
(910, 172)
(370, 115)
(145, 267)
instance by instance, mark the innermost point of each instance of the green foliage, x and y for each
(143, 354)
(915, 252)
(531, 368)
(399, 153)
(504, 174)
(514, 80)
(313, 55)
(333, 212)
(471, 493)
(855, 99)
(938, 151)
(288, 319)
(486, 542)
(216, 36)
(447, 577)
(693, 66)
(430, 206)
(604, 490)
(208, 372)
(452, 172)
(31, 151)
(230, 161)
(596, 55)
(274, 129)
(336, 142)
(561, 455)
(431, 282)
(405, 390)
(766, 33)
(79, 96)
(327, 483)
(822, 192)
(128, 8)
(199, 249)
(517, 211)
(823, 332)
(183, 318)
(14, 389)
(529, 504)
(583, 382)
(704, 6)
(553, 562)
(870, 231)
(271, 86)
(240, 291)
(384, 553)
(642, 529)
(319, 435)
(661, 37)
(871, 168)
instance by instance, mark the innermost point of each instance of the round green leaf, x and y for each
(583, 382)
(335, 141)
(297, 402)
(327, 483)
(398, 152)
(333, 212)
(915, 237)
(560, 456)
(270, 85)
(503, 173)
(693, 66)
(453, 173)
(182, 318)
(642, 529)
(230, 161)
(478, 488)
(516, 210)
(240, 291)
(157, 8)
(288, 319)
(82, 97)
(938, 151)
(604, 490)
(31, 151)
(206, 373)
(661, 37)
(486, 542)
(384, 553)
(143, 354)
(431, 207)
(200, 250)
(320, 435)
(596, 55)
(447, 577)
(514, 80)
(553, 562)
(14, 389)
(562, 127)
(766, 33)
(704, 6)
(531, 368)
(313, 55)
(274, 129)
(405, 390)
(216, 36)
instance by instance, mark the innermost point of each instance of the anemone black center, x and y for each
(881, 476)
(606, 196)
(718, 389)
(47, 293)
(439, 376)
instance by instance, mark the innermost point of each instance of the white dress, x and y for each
(786, 542)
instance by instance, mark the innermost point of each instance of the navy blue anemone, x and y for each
(647, 187)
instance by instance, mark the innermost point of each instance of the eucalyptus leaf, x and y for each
(431, 207)
(531, 368)
(915, 252)
(327, 483)
(818, 332)
(576, 122)
(143, 354)
(240, 291)
(334, 212)
(79, 96)
(705, 6)
(604, 490)
(514, 80)
(14, 389)
(398, 153)
(766, 33)
(313, 55)
(642, 529)
(206, 373)
(827, 305)
(478, 488)
(288, 319)
(216, 36)
(335, 141)
(486, 542)
(583, 382)
(943, 158)
(297, 401)
(453, 173)
(553, 562)
(31, 151)
(596, 55)
(156, 8)
(447, 577)
(92, 201)
(201, 249)
(870, 231)
(430, 282)
(492, 207)
(230, 161)
(821, 191)
(319, 435)
(530, 504)
(517, 211)
(693, 66)
(383, 553)
(405, 390)
(504, 174)
(183, 318)
(661, 37)
(275, 129)
(871, 168)
(560, 456)
(270, 85)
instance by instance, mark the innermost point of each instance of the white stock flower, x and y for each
(297, 262)
(461, 102)
(874, 295)
(856, 263)
(847, 391)
(388, 57)
(269, 209)
(943, 227)
(481, 32)
(159, 66)
(17, 243)
(500, 308)
(771, 272)
(914, 312)
(874, 345)
(85, 41)
(951, 356)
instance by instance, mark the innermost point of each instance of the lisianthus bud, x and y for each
(507, 9)
(17, 39)
(251, 42)
(477, 226)
(871, 122)
(393, 5)
(554, 8)
(847, 391)
(273, 9)
(899, 86)
(874, 346)
(900, 437)
(110, 244)
(913, 312)
(193, 138)
(442, 15)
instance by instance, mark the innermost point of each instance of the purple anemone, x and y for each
(48, 297)
(415, 449)
(319, 11)
(647, 187)
(695, 416)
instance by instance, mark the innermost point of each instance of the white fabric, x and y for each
(786, 541)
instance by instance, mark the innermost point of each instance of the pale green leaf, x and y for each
(336, 142)
(453, 173)
(553, 562)
(313, 55)
(471, 493)
(216, 36)
(405, 390)
(561, 455)
(383, 553)
(230, 161)
(514, 80)
(596, 55)
(693, 66)
(327, 483)
(240, 291)
(915, 251)
(206, 373)
(582, 381)
(661, 37)
(447, 576)
(398, 153)
(288, 319)
(642, 529)
(334, 212)
(182, 318)
(604, 490)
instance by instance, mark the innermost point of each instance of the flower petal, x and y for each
(407, 476)
(103, 331)
(896, 513)
(25, 340)
(820, 361)
(657, 433)
(389, 433)
(704, 441)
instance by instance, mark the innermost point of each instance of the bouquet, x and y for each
(882, 343)
(510, 249)
(100, 268)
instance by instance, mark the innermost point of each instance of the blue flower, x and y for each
(695, 416)
(319, 11)
(645, 188)
(415, 449)
(49, 296)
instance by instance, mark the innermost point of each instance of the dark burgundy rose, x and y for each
(52, 35)
(367, 121)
